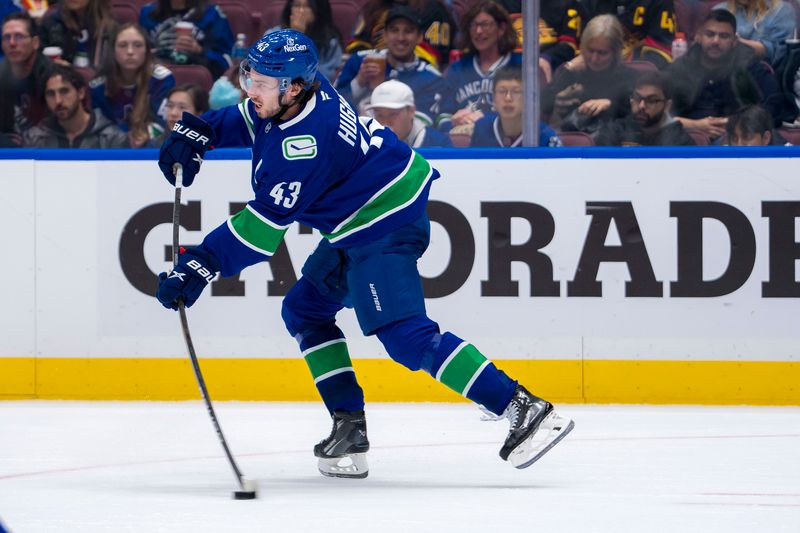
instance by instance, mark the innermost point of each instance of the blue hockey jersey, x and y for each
(488, 133)
(346, 176)
(426, 83)
(469, 86)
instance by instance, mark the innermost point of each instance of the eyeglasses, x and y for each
(8, 37)
(485, 25)
(648, 101)
(505, 93)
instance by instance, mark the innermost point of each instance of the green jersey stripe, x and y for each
(332, 373)
(246, 116)
(255, 231)
(328, 357)
(393, 197)
(461, 368)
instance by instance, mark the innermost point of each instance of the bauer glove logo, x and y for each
(189, 133)
(202, 271)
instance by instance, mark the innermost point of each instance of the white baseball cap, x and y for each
(391, 94)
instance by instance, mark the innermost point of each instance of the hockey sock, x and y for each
(334, 376)
(460, 366)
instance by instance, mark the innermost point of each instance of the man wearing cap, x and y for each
(392, 104)
(360, 75)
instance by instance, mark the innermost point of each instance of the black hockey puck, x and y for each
(244, 495)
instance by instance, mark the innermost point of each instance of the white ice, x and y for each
(158, 467)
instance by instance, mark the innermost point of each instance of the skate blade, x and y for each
(552, 429)
(353, 465)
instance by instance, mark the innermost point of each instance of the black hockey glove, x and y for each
(186, 145)
(195, 269)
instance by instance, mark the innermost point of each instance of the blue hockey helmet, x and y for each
(283, 54)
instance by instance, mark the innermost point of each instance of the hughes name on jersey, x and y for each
(346, 176)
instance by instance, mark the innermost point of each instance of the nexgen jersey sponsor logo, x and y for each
(300, 147)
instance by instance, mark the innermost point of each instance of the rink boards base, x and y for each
(594, 381)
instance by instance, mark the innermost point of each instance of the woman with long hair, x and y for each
(763, 25)
(594, 87)
(488, 41)
(132, 88)
(314, 18)
(209, 41)
(82, 28)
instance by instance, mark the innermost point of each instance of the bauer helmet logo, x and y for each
(262, 46)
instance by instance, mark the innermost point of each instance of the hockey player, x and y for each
(316, 162)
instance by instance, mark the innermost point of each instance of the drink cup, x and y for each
(53, 52)
(379, 59)
(184, 28)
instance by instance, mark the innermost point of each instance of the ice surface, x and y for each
(158, 467)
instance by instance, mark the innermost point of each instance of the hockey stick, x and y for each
(248, 487)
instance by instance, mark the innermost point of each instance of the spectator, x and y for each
(717, 76)
(437, 25)
(489, 41)
(752, 126)
(132, 89)
(8, 7)
(649, 26)
(70, 124)
(188, 97)
(594, 87)
(314, 18)
(650, 122)
(504, 128)
(82, 29)
(392, 104)
(210, 43)
(361, 74)
(560, 25)
(22, 73)
(763, 25)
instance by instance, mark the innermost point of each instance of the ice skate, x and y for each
(535, 428)
(344, 452)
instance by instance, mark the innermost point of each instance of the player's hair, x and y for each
(508, 39)
(655, 78)
(609, 28)
(508, 73)
(140, 115)
(748, 121)
(33, 28)
(721, 15)
(196, 93)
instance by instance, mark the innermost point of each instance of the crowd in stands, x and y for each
(440, 73)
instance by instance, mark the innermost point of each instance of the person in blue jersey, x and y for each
(360, 74)
(503, 129)
(211, 39)
(392, 104)
(489, 41)
(132, 88)
(317, 163)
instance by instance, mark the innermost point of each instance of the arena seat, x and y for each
(792, 135)
(197, 74)
(242, 19)
(575, 138)
(124, 13)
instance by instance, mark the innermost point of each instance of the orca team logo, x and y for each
(300, 147)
